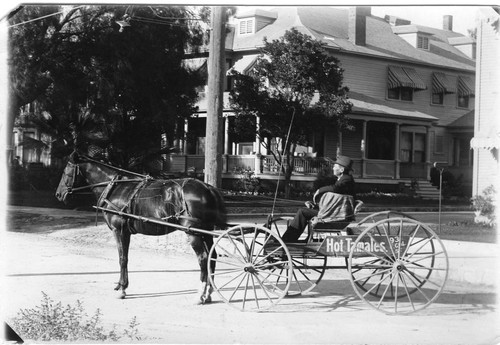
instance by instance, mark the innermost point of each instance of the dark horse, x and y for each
(186, 202)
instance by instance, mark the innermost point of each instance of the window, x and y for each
(246, 26)
(437, 98)
(245, 148)
(423, 42)
(401, 93)
(412, 149)
(463, 101)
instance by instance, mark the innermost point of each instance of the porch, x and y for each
(305, 168)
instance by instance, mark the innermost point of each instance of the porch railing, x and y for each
(259, 164)
(301, 165)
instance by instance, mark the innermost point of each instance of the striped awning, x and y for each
(404, 77)
(466, 86)
(442, 84)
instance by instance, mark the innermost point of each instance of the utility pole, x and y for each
(216, 67)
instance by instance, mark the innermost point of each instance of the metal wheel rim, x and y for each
(246, 275)
(401, 270)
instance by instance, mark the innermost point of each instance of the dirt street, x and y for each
(81, 263)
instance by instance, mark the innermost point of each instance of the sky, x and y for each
(463, 13)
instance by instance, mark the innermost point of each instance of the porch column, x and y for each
(258, 156)
(363, 150)
(225, 156)
(428, 151)
(184, 140)
(397, 165)
(226, 135)
(257, 138)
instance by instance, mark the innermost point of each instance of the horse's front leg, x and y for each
(122, 237)
(202, 247)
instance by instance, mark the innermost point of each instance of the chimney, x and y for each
(357, 24)
(448, 22)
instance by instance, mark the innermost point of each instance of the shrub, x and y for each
(247, 182)
(51, 321)
(484, 205)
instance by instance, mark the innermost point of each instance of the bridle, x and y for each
(75, 168)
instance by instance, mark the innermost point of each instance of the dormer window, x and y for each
(246, 26)
(422, 42)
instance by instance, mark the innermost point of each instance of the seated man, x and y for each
(344, 185)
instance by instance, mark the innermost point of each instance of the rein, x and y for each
(113, 180)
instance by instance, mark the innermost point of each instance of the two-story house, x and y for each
(412, 88)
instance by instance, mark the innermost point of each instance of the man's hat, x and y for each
(345, 161)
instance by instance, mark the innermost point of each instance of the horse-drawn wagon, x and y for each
(395, 263)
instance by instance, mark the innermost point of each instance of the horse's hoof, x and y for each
(121, 294)
(203, 300)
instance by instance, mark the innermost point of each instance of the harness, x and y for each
(142, 180)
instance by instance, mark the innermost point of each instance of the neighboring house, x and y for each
(486, 141)
(31, 145)
(412, 88)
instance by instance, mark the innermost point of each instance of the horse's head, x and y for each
(69, 177)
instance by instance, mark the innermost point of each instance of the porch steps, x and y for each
(426, 190)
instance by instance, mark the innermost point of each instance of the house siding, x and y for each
(369, 77)
(485, 170)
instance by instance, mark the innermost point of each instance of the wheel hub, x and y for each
(398, 265)
(249, 268)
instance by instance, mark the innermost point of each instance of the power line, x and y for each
(40, 18)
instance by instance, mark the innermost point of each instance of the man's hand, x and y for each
(309, 204)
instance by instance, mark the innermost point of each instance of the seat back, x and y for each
(318, 230)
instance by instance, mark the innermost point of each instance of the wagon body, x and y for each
(396, 264)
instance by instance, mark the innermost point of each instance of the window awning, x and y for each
(243, 65)
(404, 77)
(466, 86)
(442, 84)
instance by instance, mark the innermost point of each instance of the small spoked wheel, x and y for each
(253, 267)
(398, 265)
(307, 273)
(308, 269)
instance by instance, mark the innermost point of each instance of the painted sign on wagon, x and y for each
(366, 246)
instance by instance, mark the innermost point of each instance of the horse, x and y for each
(187, 202)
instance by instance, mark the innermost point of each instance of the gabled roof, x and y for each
(368, 105)
(330, 25)
(465, 121)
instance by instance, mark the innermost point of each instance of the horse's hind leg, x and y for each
(122, 237)
(201, 247)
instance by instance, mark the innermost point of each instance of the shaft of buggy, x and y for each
(156, 221)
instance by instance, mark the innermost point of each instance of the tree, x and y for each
(120, 90)
(294, 89)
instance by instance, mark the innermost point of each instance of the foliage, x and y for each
(248, 181)
(52, 321)
(117, 90)
(485, 204)
(293, 82)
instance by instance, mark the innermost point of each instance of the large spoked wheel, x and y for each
(398, 266)
(253, 268)
(373, 218)
(382, 215)
(308, 269)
